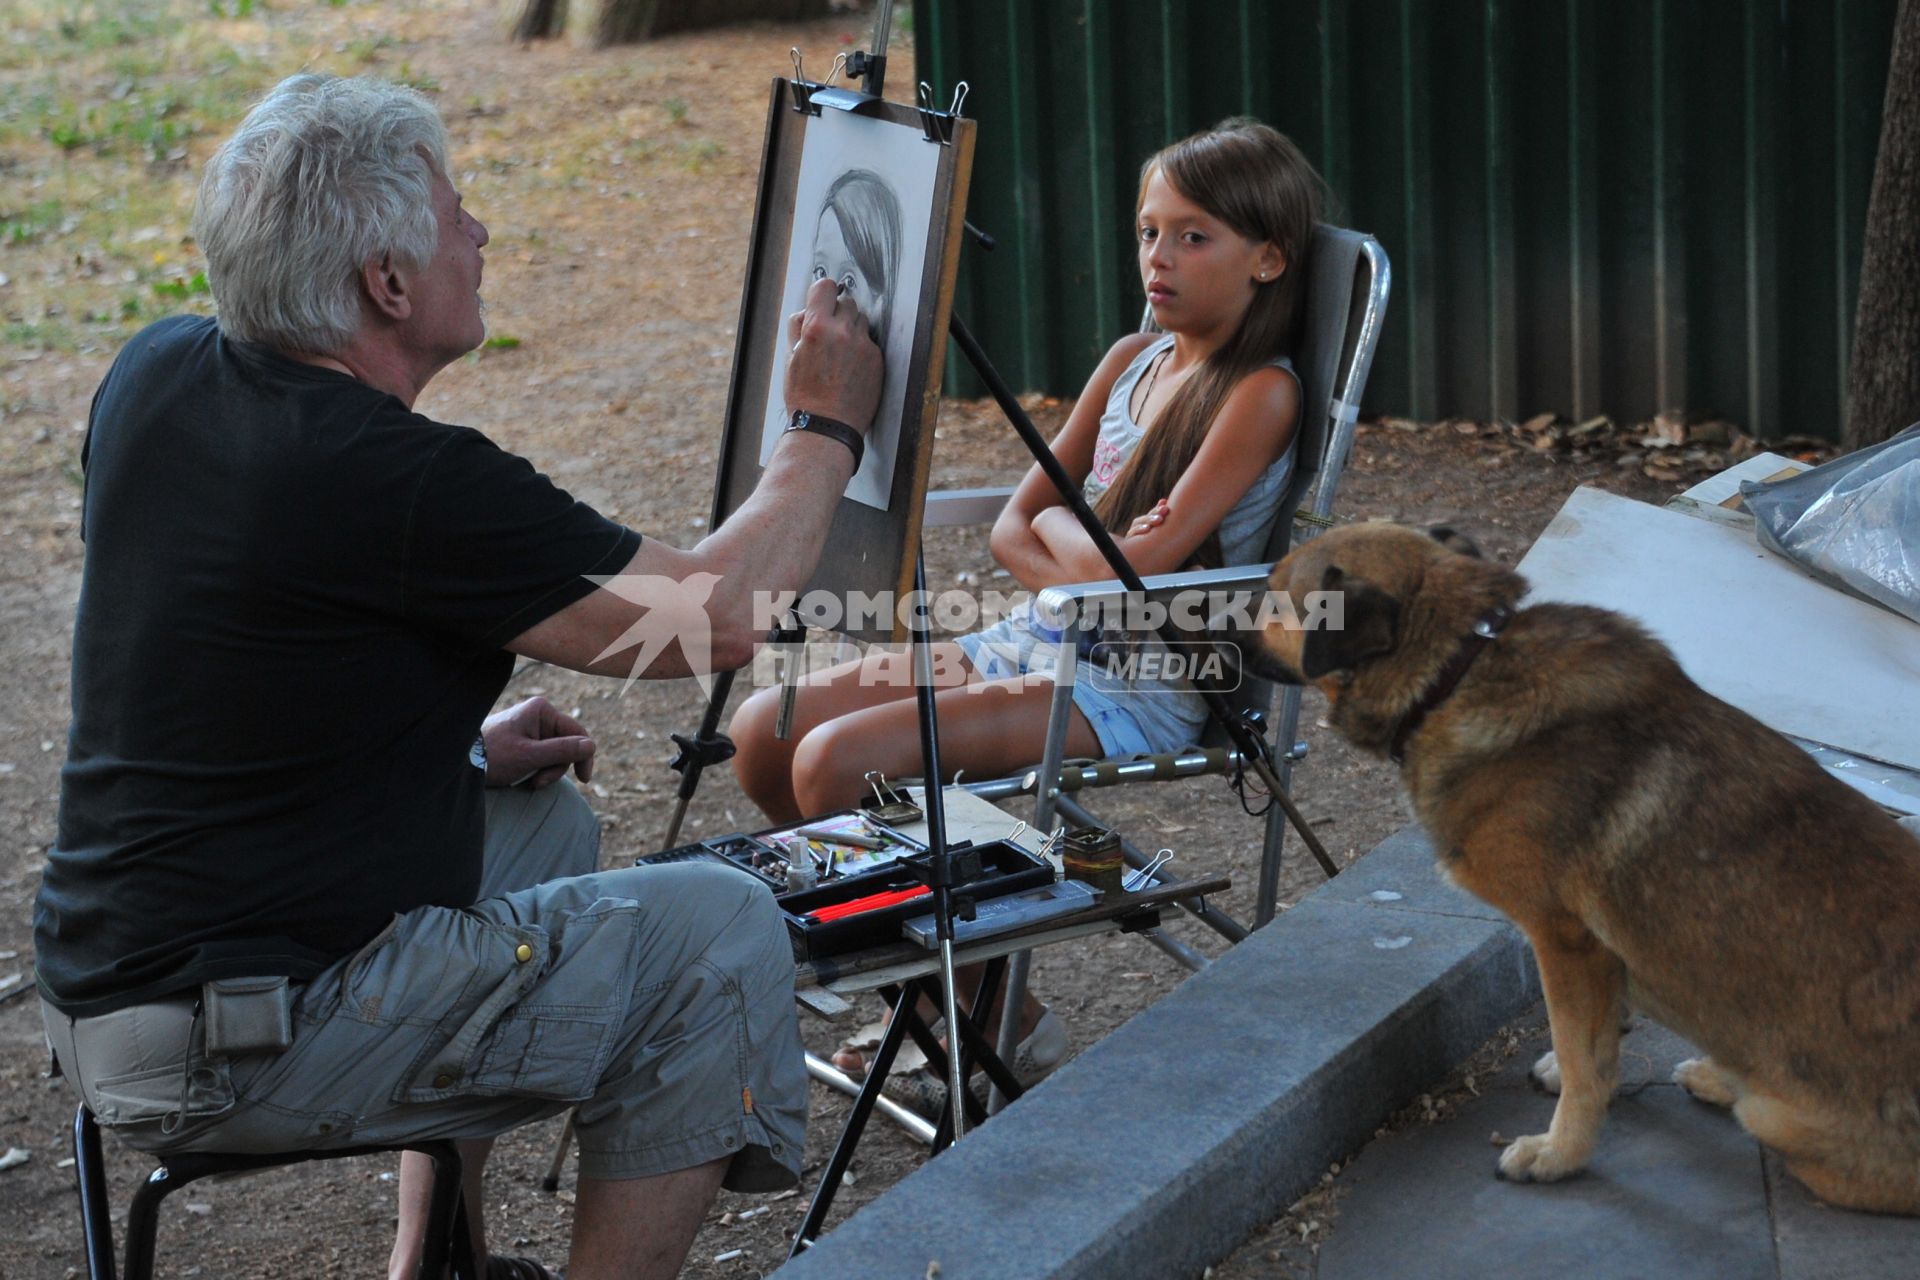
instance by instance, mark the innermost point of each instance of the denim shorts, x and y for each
(1007, 650)
(658, 1001)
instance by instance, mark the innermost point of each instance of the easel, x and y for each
(944, 870)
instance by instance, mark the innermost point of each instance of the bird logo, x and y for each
(676, 610)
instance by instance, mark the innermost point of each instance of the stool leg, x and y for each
(96, 1216)
(443, 1214)
(560, 1151)
(143, 1220)
(465, 1266)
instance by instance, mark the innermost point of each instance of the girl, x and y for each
(1182, 444)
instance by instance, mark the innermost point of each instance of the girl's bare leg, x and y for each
(987, 728)
(764, 764)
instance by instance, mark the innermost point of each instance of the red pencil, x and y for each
(872, 902)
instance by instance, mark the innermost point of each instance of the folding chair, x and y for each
(1346, 298)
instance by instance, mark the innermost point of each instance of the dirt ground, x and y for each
(618, 186)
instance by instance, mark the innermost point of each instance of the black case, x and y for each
(737, 851)
(1005, 868)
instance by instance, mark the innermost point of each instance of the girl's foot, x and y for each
(857, 1050)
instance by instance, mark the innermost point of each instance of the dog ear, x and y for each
(1370, 626)
(1453, 540)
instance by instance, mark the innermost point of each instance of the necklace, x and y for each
(1146, 383)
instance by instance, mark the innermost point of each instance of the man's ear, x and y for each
(385, 286)
(1454, 540)
(1370, 626)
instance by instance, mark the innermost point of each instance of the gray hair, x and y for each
(323, 176)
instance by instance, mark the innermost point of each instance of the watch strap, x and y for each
(834, 429)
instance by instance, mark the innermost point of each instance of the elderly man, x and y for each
(306, 892)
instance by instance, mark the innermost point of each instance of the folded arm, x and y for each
(1250, 432)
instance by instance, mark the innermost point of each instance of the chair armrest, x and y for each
(1083, 597)
(947, 508)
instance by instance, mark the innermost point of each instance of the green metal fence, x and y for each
(1590, 207)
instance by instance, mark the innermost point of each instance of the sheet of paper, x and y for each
(863, 210)
(1748, 626)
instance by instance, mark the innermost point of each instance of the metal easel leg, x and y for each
(839, 1081)
(1045, 792)
(1273, 845)
(906, 1020)
(903, 998)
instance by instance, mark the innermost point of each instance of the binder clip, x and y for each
(937, 125)
(803, 89)
(891, 805)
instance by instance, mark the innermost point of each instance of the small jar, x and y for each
(1093, 857)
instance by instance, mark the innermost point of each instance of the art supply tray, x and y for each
(1005, 868)
(850, 860)
(741, 852)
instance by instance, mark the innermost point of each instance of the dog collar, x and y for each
(1485, 631)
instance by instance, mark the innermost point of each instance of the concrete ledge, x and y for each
(1158, 1150)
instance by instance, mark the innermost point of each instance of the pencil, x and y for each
(832, 836)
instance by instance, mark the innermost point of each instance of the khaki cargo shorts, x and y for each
(656, 1000)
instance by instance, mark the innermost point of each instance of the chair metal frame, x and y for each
(448, 1251)
(1333, 362)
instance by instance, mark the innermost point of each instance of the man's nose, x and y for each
(480, 236)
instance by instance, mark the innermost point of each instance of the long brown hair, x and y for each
(1253, 178)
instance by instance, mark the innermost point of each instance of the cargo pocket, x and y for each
(452, 974)
(196, 1091)
(546, 1025)
(557, 1040)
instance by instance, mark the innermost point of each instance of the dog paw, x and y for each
(1546, 1073)
(1534, 1159)
(1707, 1082)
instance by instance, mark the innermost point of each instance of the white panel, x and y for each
(1748, 626)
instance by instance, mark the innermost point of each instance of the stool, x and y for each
(447, 1239)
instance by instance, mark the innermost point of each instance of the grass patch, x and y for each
(494, 342)
(30, 224)
(107, 110)
(41, 335)
(181, 290)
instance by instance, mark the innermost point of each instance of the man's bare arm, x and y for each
(770, 544)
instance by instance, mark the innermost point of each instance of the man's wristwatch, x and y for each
(831, 428)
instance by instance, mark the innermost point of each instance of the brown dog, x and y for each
(1656, 845)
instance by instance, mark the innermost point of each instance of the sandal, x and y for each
(1034, 1059)
(503, 1267)
(854, 1057)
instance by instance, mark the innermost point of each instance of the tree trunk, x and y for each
(541, 20)
(624, 22)
(1883, 385)
(631, 21)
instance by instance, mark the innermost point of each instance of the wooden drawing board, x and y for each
(871, 549)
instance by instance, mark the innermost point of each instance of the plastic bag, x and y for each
(1854, 523)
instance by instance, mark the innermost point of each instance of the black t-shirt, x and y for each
(290, 628)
